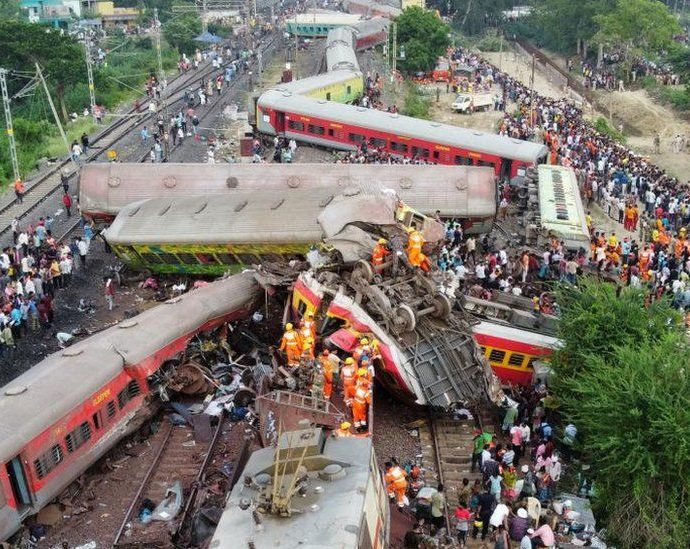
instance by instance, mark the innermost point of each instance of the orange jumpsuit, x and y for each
(396, 484)
(414, 249)
(378, 256)
(306, 335)
(360, 405)
(327, 367)
(292, 345)
(308, 324)
(347, 374)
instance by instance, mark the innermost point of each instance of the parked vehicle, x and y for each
(467, 103)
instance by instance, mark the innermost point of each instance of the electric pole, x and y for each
(89, 73)
(204, 18)
(52, 108)
(260, 68)
(395, 49)
(8, 123)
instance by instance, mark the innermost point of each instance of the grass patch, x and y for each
(602, 126)
(416, 104)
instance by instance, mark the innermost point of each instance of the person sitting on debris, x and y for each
(291, 344)
(378, 256)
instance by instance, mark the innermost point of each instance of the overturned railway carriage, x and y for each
(312, 490)
(368, 8)
(71, 408)
(465, 193)
(213, 236)
(427, 353)
(348, 127)
(511, 336)
(317, 25)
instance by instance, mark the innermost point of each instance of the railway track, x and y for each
(42, 187)
(177, 457)
(446, 453)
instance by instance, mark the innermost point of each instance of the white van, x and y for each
(480, 101)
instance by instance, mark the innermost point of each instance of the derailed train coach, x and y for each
(464, 193)
(67, 411)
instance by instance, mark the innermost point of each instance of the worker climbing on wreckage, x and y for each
(415, 242)
(378, 255)
(308, 323)
(327, 368)
(291, 344)
(396, 483)
(306, 334)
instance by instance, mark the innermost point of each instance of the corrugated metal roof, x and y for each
(405, 126)
(560, 204)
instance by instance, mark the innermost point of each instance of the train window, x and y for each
(295, 125)
(328, 96)
(301, 307)
(497, 355)
(188, 259)
(331, 132)
(248, 259)
(399, 147)
(378, 143)
(226, 259)
(330, 325)
(78, 437)
(206, 259)
(483, 350)
(420, 151)
(96, 418)
(110, 409)
(45, 463)
(168, 258)
(356, 138)
(128, 393)
(485, 163)
(436, 155)
(349, 90)
(151, 258)
(317, 130)
(516, 359)
(462, 160)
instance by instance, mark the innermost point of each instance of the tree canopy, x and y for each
(645, 24)
(180, 33)
(424, 37)
(622, 377)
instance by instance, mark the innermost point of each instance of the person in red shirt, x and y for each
(462, 524)
(67, 201)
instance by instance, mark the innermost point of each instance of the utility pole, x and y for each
(52, 108)
(161, 74)
(89, 73)
(204, 19)
(259, 68)
(8, 123)
(395, 49)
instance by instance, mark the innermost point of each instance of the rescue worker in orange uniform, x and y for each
(344, 430)
(415, 241)
(378, 256)
(327, 368)
(362, 350)
(309, 323)
(365, 371)
(360, 404)
(306, 335)
(307, 350)
(292, 345)
(348, 375)
(396, 483)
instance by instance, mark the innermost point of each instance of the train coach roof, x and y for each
(64, 380)
(332, 18)
(407, 126)
(311, 83)
(371, 26)
(457, 191)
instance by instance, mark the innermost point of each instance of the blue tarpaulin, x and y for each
(208, 38)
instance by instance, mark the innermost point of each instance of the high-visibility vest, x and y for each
(347, 373)
(416, 240)
(290, 339)
(362, 396)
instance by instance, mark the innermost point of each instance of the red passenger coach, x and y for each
(70, 409)
(348, 127)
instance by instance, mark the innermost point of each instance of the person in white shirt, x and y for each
(500, 515)
(480, 272)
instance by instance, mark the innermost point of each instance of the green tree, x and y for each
(424, 37)
(622, 376)
(180, 33)
(637, 26)
(61, 58)
(10, 10)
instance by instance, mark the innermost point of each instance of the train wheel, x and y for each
(403, 320)
(442, 305)
(364, 270)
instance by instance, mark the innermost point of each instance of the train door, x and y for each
(19, 482)
(280, 122)
(506, 169)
